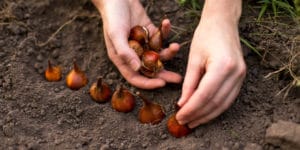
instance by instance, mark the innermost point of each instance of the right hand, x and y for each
(119, 16)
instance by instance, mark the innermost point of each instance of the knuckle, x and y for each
(215, 103)
(242, 70)
(229, 64)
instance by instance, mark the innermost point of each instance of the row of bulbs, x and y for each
(122, 100)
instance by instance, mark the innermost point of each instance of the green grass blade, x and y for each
(244, 41)
(274, 7)
(262, 11)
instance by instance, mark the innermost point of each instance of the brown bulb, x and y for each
(156, 41)
(100, 91)
(150, 112)
(177, 130)
(53, 73)
(151, 64)
(139, 34)
(76, 79)
(122, 100)
(147, 73)
(136, 46)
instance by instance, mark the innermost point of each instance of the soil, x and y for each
(36, 114)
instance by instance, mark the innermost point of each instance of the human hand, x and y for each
(215, 70)
(119, 16)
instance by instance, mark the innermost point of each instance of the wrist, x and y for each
(101, 3)
(226, 11)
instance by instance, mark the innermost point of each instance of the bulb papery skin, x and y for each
(152, 115)
(139, 34)
(150, 60)
(177, 130)
(156, 41)
(76, 79)
(122, 100)
(151, 64)
(100, 91)
(137, 47)
(147, 73)
(150, 112)
(53, 73)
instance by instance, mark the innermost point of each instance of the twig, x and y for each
(275, 72)
(57, 31)
(185, 43)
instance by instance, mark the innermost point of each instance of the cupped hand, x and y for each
(119, 16)
(215, 72)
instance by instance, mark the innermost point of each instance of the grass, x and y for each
(277, 6)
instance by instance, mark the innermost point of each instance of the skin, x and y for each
(215, 70)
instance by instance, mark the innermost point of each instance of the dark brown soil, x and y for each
(36, 114)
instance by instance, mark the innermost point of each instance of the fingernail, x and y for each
(180, 102)
(181, 122)
(135, 65)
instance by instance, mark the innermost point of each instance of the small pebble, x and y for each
(2, 54)
(30, 51)
(164, 136)
(109, 81)
(39, 58)
(55, 53)
(37, 66)
(236, 146)
(104, 147)
(61, 87)
(56, 90)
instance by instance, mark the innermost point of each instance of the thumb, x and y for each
(126, 53)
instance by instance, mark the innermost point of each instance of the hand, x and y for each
(215, 71)
(119, 16)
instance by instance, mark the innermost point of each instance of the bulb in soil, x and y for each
(76, 79)
(122, 100)
(177, 130)
(150, 112)
(139, 34)
(53, 73)
(100, 91)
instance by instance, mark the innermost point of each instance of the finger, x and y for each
(224, 106)
(217, 100)
(195, 69)
(170, 52)
(165, 28)
(169, 76)
(207, 88)
(120, 43)
(135, 79)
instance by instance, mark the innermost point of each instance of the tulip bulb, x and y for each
(76, 79)
(136, 46)
(139, 34)
(53, 73)
(151, 64)
(177, 130)
(150, 112)
(100, 91)
(174, 128)
(122, 100)
(156, 41)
